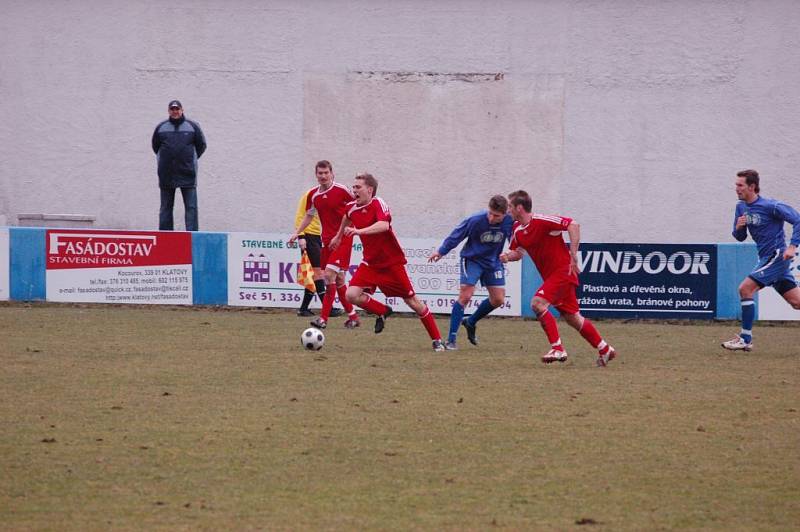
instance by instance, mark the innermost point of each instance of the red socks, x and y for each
(430, 324)
(342, 291)
(373, 306)
(589, 332)
(327, 302)
(548, 323)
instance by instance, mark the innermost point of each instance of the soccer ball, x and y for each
(312, 339)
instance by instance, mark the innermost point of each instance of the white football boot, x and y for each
(737, 344)
(603, 360)
(555, 355)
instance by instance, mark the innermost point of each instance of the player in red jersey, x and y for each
(541, 237)
(383, 264)
(329, 200)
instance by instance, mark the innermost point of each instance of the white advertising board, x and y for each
(262, 272)
(4, 264)
(771, 306)
(134, 267)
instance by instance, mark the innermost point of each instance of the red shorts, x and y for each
(392, 281)
(338, 259)
(559, 290)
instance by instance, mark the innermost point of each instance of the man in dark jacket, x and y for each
(178, 143)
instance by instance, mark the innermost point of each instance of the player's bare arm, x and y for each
(336, 240)
(380, 226)
(303, 224)
(435, 257)
(574, 231)
(511, 255)
(791, 251)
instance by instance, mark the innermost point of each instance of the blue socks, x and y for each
(455, 321)
(483, 309)
(748, 315)
(458, 314)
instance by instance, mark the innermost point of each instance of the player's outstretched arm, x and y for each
(511, 255)
(378, 227)
(455, 237)
(306, 221)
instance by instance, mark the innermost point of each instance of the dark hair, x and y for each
(520, 197)
(750, 178)
(370, 181)
(324, 164)
(498, 203)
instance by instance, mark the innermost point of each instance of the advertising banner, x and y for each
(119, 267)
(262, 272)
(4, 264)
(648, 280)
(772, 306)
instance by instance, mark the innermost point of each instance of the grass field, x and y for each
(133, 418)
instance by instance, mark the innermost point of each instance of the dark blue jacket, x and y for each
(178, 144)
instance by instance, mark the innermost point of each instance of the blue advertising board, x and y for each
(648, 280)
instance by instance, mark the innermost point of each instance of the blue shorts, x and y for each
(472, 272)
(773, 270)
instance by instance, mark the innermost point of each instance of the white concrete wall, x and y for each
(630, 116)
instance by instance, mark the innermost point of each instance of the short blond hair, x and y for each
(370, 181)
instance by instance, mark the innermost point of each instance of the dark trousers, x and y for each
(165, 219)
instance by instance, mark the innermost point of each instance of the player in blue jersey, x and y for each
(764, 219)
(486, 233)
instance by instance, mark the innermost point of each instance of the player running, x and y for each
(486, 232)
(330, 200)
(764, 218)
(383, 264)
(541, 237)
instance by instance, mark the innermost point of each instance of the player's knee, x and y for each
(742, 292)
(496, 301)
(353, 295)
(538, 307)
(747, 291)
(745, 294)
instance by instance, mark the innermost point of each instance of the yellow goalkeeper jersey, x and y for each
(314, 228)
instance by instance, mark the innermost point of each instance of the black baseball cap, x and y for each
(174, 103)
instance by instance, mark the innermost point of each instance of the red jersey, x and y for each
(381, 250)
(331, 205)
(542, 239)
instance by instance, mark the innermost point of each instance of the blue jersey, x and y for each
(765, 219)
(484, 240)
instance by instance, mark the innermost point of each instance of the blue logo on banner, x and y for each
(648, 280)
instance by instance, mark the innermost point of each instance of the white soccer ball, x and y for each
(312, 339)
